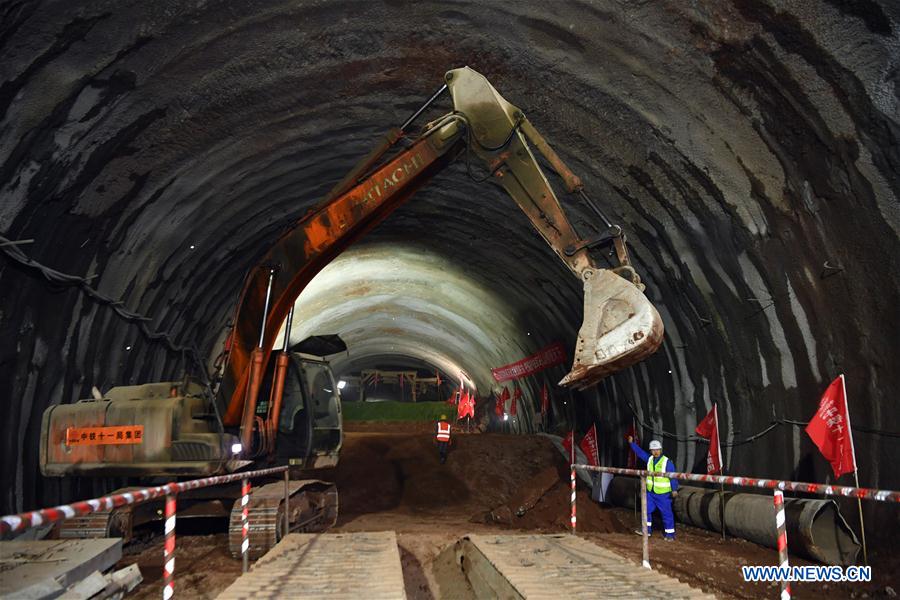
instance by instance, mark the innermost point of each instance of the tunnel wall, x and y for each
(749, 149)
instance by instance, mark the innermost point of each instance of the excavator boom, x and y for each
(621, 326)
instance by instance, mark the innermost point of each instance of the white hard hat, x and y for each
(655, 445)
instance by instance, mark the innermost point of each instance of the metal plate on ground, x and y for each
(325, 565)
(45, 568)
(558, 566)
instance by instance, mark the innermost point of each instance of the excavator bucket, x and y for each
(621, 327)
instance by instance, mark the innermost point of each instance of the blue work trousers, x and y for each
(662, 503)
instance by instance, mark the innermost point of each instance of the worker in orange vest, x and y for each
(442, 437)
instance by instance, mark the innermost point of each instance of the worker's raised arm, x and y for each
(639, 452)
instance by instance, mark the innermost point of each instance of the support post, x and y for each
(782, 542)
(245, 524)
(287, 503)
(722, 506)
(573, 500)
(862, 524)
(644, 533)
(169, 549)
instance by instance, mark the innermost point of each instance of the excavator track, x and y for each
(115, 522)
(313, 508)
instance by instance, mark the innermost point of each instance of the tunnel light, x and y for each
(342, 384)
(529, 333)
(236, 448)
(506, 417)
(670, 371)
(128, 348)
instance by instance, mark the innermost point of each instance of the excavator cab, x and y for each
(309, 430)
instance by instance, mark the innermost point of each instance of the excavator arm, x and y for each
(621, 326)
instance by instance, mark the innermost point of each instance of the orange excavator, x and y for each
(284, 408)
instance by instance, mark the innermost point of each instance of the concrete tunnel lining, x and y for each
(749, 152)
(381, 296)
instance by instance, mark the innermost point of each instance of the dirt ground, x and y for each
(390, 478)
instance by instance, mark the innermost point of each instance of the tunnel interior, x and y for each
(748, 149)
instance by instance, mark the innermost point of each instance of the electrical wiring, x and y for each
(187, 352)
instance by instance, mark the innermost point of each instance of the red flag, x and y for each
(589, 446)
(512, 405)
(709, 428)
(462, 409)
(632, 457)
(830, 429)
(471, 406)
(498, 408)
(545, 399)
(568, 442)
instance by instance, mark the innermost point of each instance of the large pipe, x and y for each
(815, 528)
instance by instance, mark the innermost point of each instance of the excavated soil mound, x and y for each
(542, 503)
(485, 475)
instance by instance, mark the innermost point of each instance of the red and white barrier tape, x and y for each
(573, 501)
(782, 542)
(245, 523)
(169, 550)
(787, 486)
(23, 521)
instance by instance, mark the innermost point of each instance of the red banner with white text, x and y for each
(552, 355)
(830, 429)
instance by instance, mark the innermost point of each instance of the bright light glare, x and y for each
(236, 448)
(506, 417)
(342, 384)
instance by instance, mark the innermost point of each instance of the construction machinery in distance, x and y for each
(268, 408)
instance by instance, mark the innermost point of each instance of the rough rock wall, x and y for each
(748, 148)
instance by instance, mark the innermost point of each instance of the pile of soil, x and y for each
(543, 503)
(401, 472)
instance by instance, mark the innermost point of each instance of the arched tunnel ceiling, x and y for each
(430, 302)
(749, 149)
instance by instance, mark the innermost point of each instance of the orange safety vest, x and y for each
(443, 431)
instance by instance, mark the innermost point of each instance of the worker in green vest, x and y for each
(660, 490)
